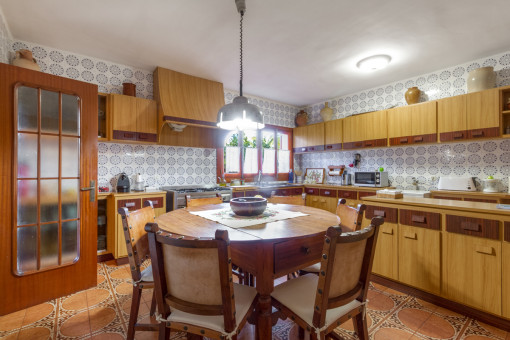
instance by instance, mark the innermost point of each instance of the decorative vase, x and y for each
(326, 112)
(301, 118)
(482, 78)
(25, 59)
(129, 89)
(412, 95)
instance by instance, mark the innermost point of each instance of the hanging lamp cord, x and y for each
(241, 55)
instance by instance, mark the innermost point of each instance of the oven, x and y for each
(176, 196)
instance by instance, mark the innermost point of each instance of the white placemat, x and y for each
(227, 217)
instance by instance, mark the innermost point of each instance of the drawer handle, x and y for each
(381, 213)
(478, 133)
(347, 194)
(326, 192)
(403, 140)
(323, 201)
(411, 236)
(329, 146)
(484, 250)
(358, 144)
(131, 204)
(303, 149)
(129, 135)
(369, 143)
(387, 231)
(470, 226)
(306, 250)
(314, 199)
(458, 135)
(142, 136)
(418, 139)
(418, 219)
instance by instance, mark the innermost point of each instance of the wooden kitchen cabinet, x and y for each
(133, 119)
(313, 201)
(386, 251)
(419, 258)
(472, 271)
(424, 120)
(333, 134)
(309, 138)
(299, 136)
(375, 126)
(353, 133)
(365, 130)
(399, 123)
(103, 118)
(506, 271)
(412, 124)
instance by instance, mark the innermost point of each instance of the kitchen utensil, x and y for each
(248, 206)
(456, 183)
(123, 184)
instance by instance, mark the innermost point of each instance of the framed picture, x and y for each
(314, 175)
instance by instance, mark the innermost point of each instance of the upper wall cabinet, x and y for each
(413, 124)
(365, 130)
(309, 138)
(133, 119)
(473, 115)
(333, 134)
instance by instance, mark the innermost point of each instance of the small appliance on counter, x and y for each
(346, 178)
(139, 183)
(123, 184)
(490, 185)
(456, 183)
(378, 179)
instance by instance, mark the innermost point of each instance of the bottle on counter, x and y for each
(291, 176)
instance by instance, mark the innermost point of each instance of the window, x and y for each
(247, 152)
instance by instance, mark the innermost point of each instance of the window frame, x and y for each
(251, 177)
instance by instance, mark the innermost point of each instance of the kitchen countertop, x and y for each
(132, 193)
(288, 185)
(489, 208)
(471, 193)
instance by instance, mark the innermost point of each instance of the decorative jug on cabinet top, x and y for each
(25, 59)
(412, 95)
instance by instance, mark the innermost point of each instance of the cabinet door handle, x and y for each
(329, 146)
(381, 213)
(470, 226)
(142, 136)
(403, 140)
(369, 143)
(306, 250)
(387, 231)
(458, 135)
(411, 236)
(326, 192)
(129, 135)
(418, 139)
(303, 149)
(484, 250)
(130, 204)
(478, 133)
(418, 219)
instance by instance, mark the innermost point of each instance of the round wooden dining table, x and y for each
(266, 250)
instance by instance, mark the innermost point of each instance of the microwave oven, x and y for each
(371, 179)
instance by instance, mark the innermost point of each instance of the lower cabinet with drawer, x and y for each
(506, 271)
(116, 238)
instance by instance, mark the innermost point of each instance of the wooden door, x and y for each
(419, 257)
(424, 118)
(399, 122)
(124, 117)
(482, 109)
(472, 271)
(385, 257)
(48, 239)
(451, 114)
(333, 132)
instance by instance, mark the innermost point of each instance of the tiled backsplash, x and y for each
(424, 163)
(160, 165)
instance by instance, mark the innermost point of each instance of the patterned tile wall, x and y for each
(160, 165)
(425, 163)
(5, 40)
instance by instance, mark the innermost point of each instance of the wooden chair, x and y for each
(137, 246)
(212, 306)
(340, 292)
(350, 220)
(294, 199)
(195, 202)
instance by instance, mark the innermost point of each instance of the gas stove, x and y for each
(176, 195)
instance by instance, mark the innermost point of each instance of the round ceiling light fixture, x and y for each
(375, 62)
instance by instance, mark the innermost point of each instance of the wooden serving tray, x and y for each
(382, 195)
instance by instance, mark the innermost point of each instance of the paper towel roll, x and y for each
(334, 173)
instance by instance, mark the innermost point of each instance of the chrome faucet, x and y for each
(259, 177)
(416, 183)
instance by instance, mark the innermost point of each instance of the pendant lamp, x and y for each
(240, 115)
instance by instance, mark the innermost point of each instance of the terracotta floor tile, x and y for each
(478, 337)
(100, 279)
(381, 302)
(124, 288)
(96, 296)
(379, 287)
(121, 273)
(437, 327)
(147, 295)
(427, 305)
(108, 336)
(37, 313)
(413, 318)
(146, 335)
(394, 292)
(391, 332)
(12, 336)
(77, 325)
(100, 317)
(12, 321)
(493, 330)
(35, 333)
(76, 301)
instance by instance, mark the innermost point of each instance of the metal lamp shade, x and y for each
(240, 115)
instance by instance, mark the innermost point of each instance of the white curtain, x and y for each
(268, 162)
(250, 161)
(232, 154)
(283, 161)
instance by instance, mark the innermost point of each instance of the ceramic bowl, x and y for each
(248, 206)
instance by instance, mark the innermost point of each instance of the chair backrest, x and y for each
(346, 265)
(193, 275)
(349, 216)
(294, 199)
(195, 202)
(137, 243)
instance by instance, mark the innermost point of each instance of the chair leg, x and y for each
(361, 324)
(133, 314)
(164, 332)
(153, 303)
(301, 333)
(190, 336)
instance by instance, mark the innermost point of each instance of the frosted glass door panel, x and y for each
(70, 156)
(27, 155)
(70, 241)
(269, 160)
(27, 249)
(27, 202)
(49, 156)
(49, 245)
(70, 198)
(70, 115)
(283, 161)
(49, 200)
(49, 111)
(27, 108)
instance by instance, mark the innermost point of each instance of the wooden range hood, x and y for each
(186, 100)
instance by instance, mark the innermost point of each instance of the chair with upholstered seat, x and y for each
(195, 202)
(340, 291)
(294, 199)
(212, 306)
(350, 220)
(137, 246)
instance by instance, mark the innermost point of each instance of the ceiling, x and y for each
(296, 51)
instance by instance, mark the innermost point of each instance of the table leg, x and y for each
(264, 285)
